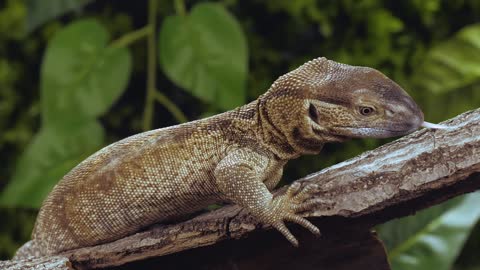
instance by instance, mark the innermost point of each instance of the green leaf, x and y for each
(436, 243)
(50, 155)
(80, 80)
(40, 12)
(452, 64)
(205, 52)
(81, 77)
(395, 232)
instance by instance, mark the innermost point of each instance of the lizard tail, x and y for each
(28, 250)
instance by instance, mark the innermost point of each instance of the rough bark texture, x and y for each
(397, 179)
(44, 263)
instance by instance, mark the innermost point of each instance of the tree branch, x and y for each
(397, 179)
(43, 263)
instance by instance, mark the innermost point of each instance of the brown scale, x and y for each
(237, 157)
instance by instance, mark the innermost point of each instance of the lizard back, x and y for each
(155, 176)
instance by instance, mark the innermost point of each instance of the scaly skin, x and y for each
(238, 157)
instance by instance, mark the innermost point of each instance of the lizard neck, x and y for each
(284, 146)
(250, 125)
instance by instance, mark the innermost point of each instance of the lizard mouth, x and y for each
(371, 132)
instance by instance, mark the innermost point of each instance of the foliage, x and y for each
(432, 239)
(51, 154)
(453, 64)
(87, 91)
(76, 74)
(41, 12)
(205, 52)
(76, 87)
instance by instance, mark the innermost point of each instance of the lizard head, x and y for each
(355, 101)
(324, 101)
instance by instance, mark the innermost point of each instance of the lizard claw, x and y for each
(280, 226)
(304, 222)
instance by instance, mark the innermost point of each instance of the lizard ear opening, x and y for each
(313, 113)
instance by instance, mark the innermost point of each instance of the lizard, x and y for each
(162, 175)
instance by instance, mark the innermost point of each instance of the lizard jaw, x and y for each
(370, 132)
(320, 131)
(326, 134)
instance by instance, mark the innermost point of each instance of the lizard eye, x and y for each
(366, 111)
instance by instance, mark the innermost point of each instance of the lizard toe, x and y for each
(285, 208)
(280, 226)
(304, 223)
(293, 190)
(306, 193)
(306, 206)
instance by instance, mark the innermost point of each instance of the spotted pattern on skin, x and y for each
(163, 175)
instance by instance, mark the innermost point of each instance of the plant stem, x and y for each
(151, 66)
(171, 107)
(131, 37)
(152, 93)
(180, 7)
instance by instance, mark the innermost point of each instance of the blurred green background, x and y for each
(76, 75)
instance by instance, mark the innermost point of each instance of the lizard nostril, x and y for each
(389, 112)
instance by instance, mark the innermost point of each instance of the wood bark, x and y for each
(394, 180)
(43, 263)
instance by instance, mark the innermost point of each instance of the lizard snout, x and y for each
(406, 115)
(416, 122)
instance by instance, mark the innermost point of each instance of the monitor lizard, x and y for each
(238, 156)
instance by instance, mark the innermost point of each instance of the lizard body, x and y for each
(238, 157)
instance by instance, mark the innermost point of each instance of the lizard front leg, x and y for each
(240, 175)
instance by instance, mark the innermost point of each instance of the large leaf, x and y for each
(395, 232)
(452, 64)
(50, 155)
(436, 243)
(205, 52)
(40, 12)
(81, 77)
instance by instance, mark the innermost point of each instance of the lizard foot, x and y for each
(286, 208)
